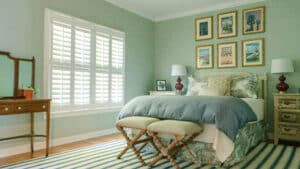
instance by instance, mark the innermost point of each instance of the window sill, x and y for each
(85, 112)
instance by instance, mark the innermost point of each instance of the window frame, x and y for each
(94, 107)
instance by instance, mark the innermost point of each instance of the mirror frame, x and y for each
(16, 62)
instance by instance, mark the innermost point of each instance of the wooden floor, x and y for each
(58, 149)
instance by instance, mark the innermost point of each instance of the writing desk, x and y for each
(28, 106)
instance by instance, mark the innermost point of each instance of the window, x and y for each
(84, 64)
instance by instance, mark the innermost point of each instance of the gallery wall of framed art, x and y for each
(234, 36)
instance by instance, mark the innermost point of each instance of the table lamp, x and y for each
(178, 70)
(282, 65)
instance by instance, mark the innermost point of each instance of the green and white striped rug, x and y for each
(103, 156)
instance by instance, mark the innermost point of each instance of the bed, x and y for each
(215, 145)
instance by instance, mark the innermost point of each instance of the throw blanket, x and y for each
(228, 113)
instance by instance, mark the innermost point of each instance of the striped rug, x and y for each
(103, 156)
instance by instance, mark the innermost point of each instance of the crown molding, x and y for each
(209, 9)
(216, 7)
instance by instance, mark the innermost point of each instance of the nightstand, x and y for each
(162, 93)
(286, 117)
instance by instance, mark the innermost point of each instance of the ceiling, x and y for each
(158, 10)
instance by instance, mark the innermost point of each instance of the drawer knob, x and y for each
(287, 129)
(286, 116)
(6, 109)
(19, 108)
(44, 106)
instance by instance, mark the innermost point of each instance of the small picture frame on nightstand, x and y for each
(161, 85)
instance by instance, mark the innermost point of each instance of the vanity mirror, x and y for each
(15, 73)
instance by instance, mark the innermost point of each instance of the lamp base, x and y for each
(178, 85)
(282, 92)
(282, 86)
(178, 92)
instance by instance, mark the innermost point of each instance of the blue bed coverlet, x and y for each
(228, 113)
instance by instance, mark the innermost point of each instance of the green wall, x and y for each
(174, 43)
(22, 33)
(151, 49)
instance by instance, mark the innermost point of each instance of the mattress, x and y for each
(222, 144)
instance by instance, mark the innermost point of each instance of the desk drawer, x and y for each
(4, 109)
(31, 107)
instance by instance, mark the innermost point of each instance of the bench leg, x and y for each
(131, 144)
(165, 151)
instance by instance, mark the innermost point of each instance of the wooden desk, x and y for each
(23, 106)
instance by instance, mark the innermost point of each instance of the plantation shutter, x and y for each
(82, 67)
(61, 63)
(117, 64)
(102, 67)
(85, 64)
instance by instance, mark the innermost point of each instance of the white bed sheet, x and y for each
(222, 144)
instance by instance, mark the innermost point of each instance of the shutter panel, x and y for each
(61, 63)
(117, 69)
(102, 67)
(61, 42)
(81, 87)
(82, 68)
(117, 54)
(61, 86)
(117, 88)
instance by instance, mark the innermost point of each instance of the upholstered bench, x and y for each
(139, 123)
(183, 131)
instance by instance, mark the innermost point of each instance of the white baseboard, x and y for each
(13, 150)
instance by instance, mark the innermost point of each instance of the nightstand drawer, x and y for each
(36, 107)
(287, 130)
(286, 103)
(288, 117)
(5, 109)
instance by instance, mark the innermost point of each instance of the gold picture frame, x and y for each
(204, 28)
(253, 52)
(253, 20)
(227, 55)
(227, 24)
(204, 57)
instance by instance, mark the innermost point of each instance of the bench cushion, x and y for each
(175, 127)
(137, 122)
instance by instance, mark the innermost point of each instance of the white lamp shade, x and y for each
(282, 65)
(178, 70)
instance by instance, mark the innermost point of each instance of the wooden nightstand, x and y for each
(162, 93)
(286, 117)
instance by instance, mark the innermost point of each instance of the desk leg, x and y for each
(31, 131)
(47, 130)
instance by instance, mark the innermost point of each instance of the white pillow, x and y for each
(208, 91)
(194, 86)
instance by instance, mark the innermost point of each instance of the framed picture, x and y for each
(204, 57)
(227, 55)
(254, 20)
(253, 52)
(204, 28)
(161, 85)
(227, 24)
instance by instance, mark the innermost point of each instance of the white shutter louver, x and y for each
(82, 66)
(102, 68)
(117, 69)
(61, 86)
(61, 57)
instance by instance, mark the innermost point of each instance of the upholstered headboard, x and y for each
(262, 88)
